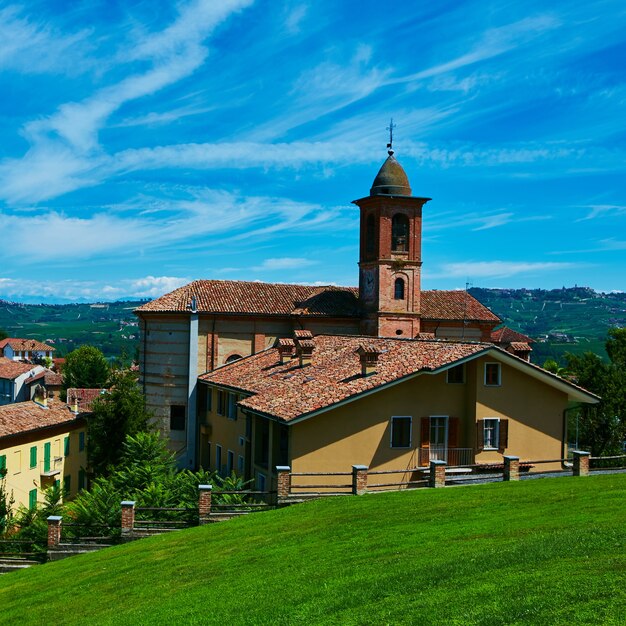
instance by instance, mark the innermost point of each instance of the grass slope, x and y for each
(536, 552)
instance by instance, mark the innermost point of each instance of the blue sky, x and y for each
(145, 144)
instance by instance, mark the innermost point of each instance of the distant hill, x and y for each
(572, 319)
(110, 326)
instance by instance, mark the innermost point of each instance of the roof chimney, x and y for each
(305, 348)
(285, 350)
(368, 354)
(74, 401)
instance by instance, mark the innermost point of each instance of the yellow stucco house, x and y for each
(41, 443)
(325, 403)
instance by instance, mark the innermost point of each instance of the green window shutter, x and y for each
(32, 498)
(46, 457)
(66, 445)
(81, 479)
(33, 456)
(81, 441)
(3, 464)
(57, 483)
(67, 484)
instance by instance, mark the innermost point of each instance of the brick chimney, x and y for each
(305, 348)
(74, 404)
(368, 354)
(285, 350)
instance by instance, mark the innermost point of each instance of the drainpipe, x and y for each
(192, 382)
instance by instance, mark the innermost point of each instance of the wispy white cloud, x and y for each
(35, 47)
(88, 290)
(597, 210)
(284, 263)
(496, 269)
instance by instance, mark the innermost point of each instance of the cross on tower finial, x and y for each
(390, 144)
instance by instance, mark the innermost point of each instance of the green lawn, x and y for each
(537, 552)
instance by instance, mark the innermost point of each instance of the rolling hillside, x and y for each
(548, 551)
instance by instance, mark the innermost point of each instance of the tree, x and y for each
(3, 334)
(86, 367)
(115, 415)
(602, 427)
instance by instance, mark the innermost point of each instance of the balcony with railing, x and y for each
(452, 456)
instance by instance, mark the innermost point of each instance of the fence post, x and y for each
(204, 503)
(581, 463)
(283, 483)
(128, 516)
(54, 531)
(359, 479)
(437, 476)
(511, 468)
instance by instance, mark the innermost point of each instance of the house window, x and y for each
(33, 457)
(230, 462)
(232, 406)
(81, 479)
(492, 374)
(221, 403)
(81, 441)
(491, 434)
(398, 289)
(240, 464)
(32, 498)
(3, 464)
(233, 357)
(218, 458)
(400, 233)
(177, 417)
(261, 481)
(401, 432)
(456, 375)
(67, 484)
(66, 446)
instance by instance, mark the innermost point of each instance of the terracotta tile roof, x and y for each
(289, 391)
(252, 298)
(454, 305)
(85, 396)
(23, 417)
(49, 378)
(504, 334)
(255, 298)
(520, 346)
(25, 344)
(10, 369)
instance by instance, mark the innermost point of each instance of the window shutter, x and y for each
(504, 435)
(480, 437)
(453, 432)
(425, 432)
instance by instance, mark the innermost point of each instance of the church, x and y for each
(209, 324)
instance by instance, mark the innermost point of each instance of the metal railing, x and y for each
(452, 456)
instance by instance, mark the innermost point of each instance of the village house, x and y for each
(14, 376)
(325, 403)
(209, 323)
(42, 443)
(25, 349)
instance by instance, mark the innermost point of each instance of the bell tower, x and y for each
(390, 256)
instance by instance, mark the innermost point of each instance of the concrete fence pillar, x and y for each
(54, 530)
(581, 463)
(511, 468)
(128, 516)
(359, 479)
(437, 477)
(283, 483)
(204, 502)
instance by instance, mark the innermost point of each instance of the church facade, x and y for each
(210, 323)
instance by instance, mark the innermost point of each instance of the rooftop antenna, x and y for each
(390, 144)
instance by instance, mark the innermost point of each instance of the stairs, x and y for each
(71, 549)
(8, 565)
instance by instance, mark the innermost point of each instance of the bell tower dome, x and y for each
(390, 255)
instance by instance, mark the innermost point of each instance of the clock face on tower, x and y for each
(369, 284)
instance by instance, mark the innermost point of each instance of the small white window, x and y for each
(492, 374)
(491, 433)
(401, 431)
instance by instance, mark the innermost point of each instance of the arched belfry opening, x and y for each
(398, 289)
(400, 229)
